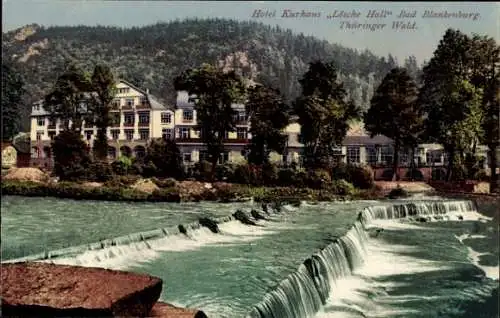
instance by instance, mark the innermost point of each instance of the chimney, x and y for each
(147, 90)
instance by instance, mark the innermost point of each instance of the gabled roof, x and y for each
(153, 101)
(367, 140)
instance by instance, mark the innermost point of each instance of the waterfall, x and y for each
(305, 291)
(109, 248)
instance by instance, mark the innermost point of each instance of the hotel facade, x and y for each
(138, 117)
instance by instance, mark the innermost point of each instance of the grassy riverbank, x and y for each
(174, 193)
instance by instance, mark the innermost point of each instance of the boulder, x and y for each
(145, 185)
(182, 229)
(27, 174)
(210, 224)
(256, 215)
(243, 218)
(43, 289)
(169, 311)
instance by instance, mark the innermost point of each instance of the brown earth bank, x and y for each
(49, 290)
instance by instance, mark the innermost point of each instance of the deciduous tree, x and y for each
(12, 93)
(213, 93)
(269, 115)
(324, 112)
(395, 113)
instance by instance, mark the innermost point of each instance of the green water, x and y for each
(226, 274)
(34, 225)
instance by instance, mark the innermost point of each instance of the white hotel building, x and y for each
(138, 117)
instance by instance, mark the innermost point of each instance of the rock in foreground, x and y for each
(42, 289)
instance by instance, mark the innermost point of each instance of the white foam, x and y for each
(473, 256)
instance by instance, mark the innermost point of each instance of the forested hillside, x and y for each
(152, 56)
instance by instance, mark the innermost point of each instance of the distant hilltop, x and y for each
(151, 56)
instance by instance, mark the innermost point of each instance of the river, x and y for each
(403, 268)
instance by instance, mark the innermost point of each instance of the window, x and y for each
(115, 134)
(123, 90)
(36, 107)
(223, 157)
(129, 134)
(204, 156)
(52, 135)
(115, 119)
(52, 124)
(371, 154)
(41, 121)
(166, 133)
(116, 103)
(241, 118)
(144, 134)
(184, 133)
(386, 154)
(166, 118)
(187, 115)
(144, 118)
(39, 135)
(241, 133)
(129, 102)
(88, 134)
(129, 119)
(434, 156)
(353, 155)
(144, 100)
(300, 138)
(186, 157)
(284, 157)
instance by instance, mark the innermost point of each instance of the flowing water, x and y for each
(369, 259)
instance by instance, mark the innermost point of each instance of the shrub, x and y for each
(481, 175)
(122, 181)
(319, 179)
(202, 170)
(164, 183)
(269, 174)
(415, 174)
(287, 177)
(224, 172)
(71, 156)
(99, 171)
(247, 174)
(361, 176)
(149, 170)
(398, 193)
(343, 187)
(166, 194)
(340, 171)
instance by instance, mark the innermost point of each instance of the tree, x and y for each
(67, 100)
(395, 113)
(103, 92)
(324, 113)
(12, 93)
(71, 155)
(213, 93)
(165, 156)
(450, 97)
(269, 115)
(486, 60)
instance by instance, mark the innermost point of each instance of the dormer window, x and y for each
(123, 90)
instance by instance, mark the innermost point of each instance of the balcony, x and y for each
(236, 141)
(51, 127)
(142, 106)
(143, 124)
(129, 124)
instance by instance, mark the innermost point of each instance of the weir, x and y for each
(116, 246)
(305, 291)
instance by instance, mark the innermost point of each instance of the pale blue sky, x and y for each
(420, 42)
